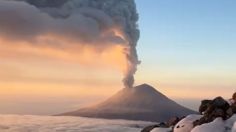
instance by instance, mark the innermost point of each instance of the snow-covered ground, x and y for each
(218, 125)
(27, 123)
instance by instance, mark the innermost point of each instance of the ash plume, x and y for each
(99, 23)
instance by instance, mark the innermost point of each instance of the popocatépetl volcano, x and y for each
(142, 102)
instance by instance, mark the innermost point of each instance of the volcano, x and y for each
(142, 102)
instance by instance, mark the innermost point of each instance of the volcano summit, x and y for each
(142, 102)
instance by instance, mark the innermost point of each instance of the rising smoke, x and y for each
(94, 22)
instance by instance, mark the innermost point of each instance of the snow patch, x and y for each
(186, 124)
(161, 130)
(234, 127)
(216, 126)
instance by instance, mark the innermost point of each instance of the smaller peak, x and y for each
(145, 88)
(144, 85)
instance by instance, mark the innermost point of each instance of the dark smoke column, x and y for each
(133, 34)
(125, 14)
(120, 14)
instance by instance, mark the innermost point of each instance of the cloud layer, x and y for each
(13, 123)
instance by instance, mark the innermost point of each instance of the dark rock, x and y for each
(231, 110)
(219, 102)
(234, 96)
(204, 105)
(173, 121)
(163, 125)
(209, 110)
(216, 104)
(213, 109)
(219, 113)
(204, 119)
(233, 107)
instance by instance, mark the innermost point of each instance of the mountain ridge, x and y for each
(142, 102)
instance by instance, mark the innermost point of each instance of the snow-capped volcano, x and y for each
(142, 102)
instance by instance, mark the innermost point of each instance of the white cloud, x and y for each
(17, 123)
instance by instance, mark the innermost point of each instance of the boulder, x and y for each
(212, 109)
(220, 103)
(234, 96)
(204, 105)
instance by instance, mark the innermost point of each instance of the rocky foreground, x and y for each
(217, 115)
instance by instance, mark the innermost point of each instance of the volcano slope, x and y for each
(142, 102)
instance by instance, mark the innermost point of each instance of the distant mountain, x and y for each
(142, 102)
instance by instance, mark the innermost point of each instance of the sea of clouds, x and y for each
(29, 123)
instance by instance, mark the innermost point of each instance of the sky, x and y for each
(187, 51)
(187, 47)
